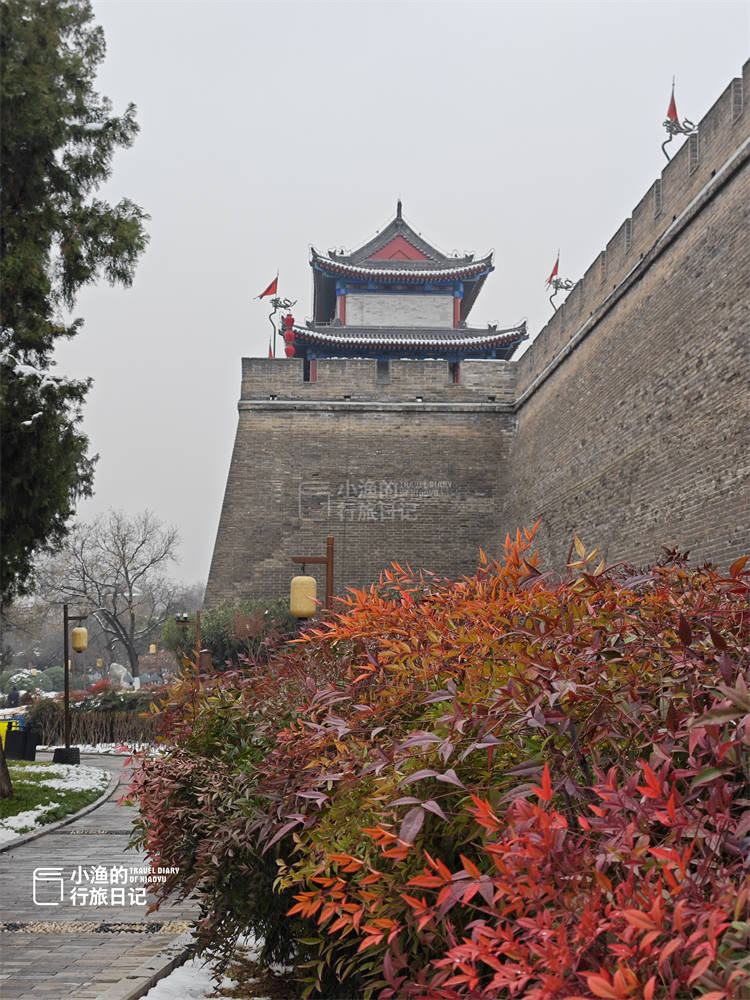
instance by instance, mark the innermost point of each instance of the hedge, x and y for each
(509, 785)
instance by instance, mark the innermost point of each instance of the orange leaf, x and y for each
(637, 919)
(601, 987)
(372, 939)
(700, 969)
(668, 948)
(415, 904)
(603, 882)
(736, 568)
(469, 866)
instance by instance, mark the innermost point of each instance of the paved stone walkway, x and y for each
(69, 947)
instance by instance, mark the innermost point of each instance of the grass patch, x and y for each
(31, 794)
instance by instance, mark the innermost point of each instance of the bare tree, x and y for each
(112, 569)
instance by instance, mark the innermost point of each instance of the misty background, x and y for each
(268, 127)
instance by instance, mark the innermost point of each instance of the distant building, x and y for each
(411, 436)
(398, 296)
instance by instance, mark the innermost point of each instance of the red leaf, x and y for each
(545, 792)
(411, 825)
(716, 639)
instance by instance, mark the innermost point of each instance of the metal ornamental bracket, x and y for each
(279, 303)
(559, 285)
(676, 127)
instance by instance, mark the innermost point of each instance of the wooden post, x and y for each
(329, 571)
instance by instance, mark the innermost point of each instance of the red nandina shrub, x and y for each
(508, 785)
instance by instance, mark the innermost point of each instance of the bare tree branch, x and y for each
(113, 567)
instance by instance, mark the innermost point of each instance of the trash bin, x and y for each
(29, 744)
(15, 744)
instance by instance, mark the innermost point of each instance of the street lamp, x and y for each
(154, 651)
(80, 641)
(204, 659)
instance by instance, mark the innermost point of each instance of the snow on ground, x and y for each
(194, 980)
(69, 777)
(191, 981)
(23, 822)
(60, 777)
(113, 748)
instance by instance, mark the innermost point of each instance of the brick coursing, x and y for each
(627, 421)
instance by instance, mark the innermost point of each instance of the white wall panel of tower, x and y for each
(409, 309)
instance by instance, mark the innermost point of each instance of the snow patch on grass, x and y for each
(57, 777)
(23, 822)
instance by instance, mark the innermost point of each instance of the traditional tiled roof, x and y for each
(397, 255)
(402, 270)
(397, 231)
(472, 338)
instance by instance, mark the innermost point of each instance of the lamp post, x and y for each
(80, 639)
(203, 655)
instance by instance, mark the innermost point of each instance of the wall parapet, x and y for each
(721, 131)
(362, 380)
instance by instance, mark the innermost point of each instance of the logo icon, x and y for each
(44, 880)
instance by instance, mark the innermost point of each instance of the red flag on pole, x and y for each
(554, 269)
(672, 109)
(271, 290)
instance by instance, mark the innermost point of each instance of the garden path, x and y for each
(93, 931)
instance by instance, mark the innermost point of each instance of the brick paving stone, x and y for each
(63, 958)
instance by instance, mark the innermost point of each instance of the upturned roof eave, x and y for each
(453, 271)
(389, 337)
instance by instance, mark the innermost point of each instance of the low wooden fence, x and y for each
(97, 727)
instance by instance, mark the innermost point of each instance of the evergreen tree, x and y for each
(58, 140)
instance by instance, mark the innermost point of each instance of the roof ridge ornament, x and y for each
(398, 210)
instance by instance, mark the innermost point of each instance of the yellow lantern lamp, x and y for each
(152, 648)
(302, 596)
(80, 639)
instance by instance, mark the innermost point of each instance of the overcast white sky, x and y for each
(267, 127)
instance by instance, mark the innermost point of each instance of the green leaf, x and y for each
(706, 776)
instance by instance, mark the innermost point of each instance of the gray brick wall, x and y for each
(415, 483)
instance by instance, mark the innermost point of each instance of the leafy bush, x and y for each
(55, 678)
(22, 679)
(234, 633)
(507, 785)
